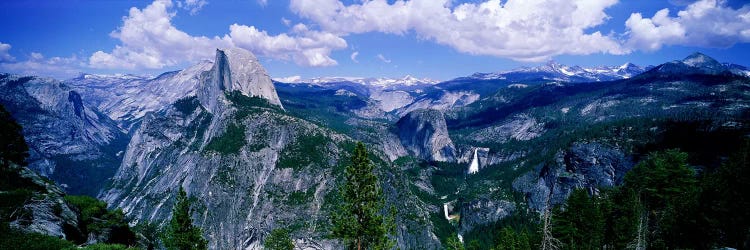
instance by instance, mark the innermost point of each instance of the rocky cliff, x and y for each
(584, 165)
(73, 144)
(250, 166)
(425, 134)
(235, 70)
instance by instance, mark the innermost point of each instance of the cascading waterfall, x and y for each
(474, 167)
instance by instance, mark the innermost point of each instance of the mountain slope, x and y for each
(250, 165)
(71, 143)
(127, 98)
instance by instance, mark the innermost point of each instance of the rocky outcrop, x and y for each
(520, 127)
(235, 69)
(583, 165)
(71, 143)
(46, 212)
(483, 211)
(425, 135)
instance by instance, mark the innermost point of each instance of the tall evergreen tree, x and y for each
(668, 189)
(726, 199)
(359, 221)
(13, 147)
(148, 235)
(181, 234)
(581, 224)
(511, 240)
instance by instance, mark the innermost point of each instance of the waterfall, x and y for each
(474, 167)
(445, 210)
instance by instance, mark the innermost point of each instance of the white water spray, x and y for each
(474, 167)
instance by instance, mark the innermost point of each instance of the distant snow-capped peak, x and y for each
(407, 80)
(560, 72)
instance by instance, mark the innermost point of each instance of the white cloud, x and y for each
(263, 2)
(193, 6)
(286, 22)
(149, 40)
(382, 58)
(308, 48)
(525, 30)
(354, 56)
(39, 65)
(4, 55)
(705, 23)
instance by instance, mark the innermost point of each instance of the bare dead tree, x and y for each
(548, 241)
(639, 242)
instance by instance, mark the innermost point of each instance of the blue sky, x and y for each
(439, 39)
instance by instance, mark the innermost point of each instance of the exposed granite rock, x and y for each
(250, 167)
(46, 213)
(519, 127)
(127, 98)
(69, 142)
(424, 134)
(235, 69)
(483, 211)
(583, 165)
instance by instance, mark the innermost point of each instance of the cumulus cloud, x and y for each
(383, 59)
(149, 40)
(4, 53)
(704, 23)
(39, 65)
(193, 6)
(307, 48)
(525, 30)
(354, 56)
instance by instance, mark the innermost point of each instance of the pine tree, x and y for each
(181, 234)
(13, 147)
(581, 224)
(668, 189)
(279, 240)
(509, 240)
(148, 235)
(359, 221)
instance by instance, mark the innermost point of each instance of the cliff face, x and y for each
(232, 148)
(71, 143)
(235, 70)
(483, 211)
(584, 165)
(240, 170)
(425, 134)
(250, 166)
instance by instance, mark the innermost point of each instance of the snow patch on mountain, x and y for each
(380, 82)
(554, 71)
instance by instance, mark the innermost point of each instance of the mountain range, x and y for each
(453, 156)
